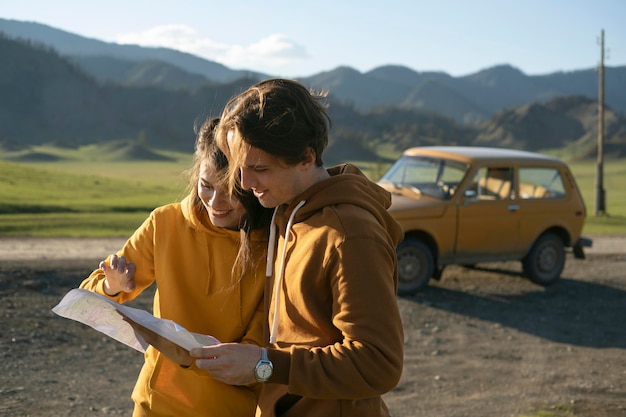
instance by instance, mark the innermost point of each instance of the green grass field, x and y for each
(87, 193)
(83, 195)
(613, 222)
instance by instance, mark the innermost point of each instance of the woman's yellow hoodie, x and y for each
(190, 260)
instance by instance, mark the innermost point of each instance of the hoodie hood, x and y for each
(346, 185)
(197, 218)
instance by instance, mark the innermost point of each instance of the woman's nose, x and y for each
(218, 197)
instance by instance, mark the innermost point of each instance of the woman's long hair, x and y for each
(256, 216)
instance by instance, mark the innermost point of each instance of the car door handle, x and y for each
(513, 207)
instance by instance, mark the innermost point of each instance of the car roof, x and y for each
(479, 153)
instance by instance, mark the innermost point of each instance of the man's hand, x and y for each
(120, 275)
(231, 363)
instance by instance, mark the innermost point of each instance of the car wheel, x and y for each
(545, 261)
(415, 265)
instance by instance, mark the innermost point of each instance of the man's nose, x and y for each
(247, 179)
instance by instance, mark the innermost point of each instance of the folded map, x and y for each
(131, 326)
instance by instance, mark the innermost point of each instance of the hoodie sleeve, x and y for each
(254, 331)
(137, 249)
(367, 359)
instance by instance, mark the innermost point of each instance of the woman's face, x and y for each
(223, 210)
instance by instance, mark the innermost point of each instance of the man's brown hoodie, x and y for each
(335, 332)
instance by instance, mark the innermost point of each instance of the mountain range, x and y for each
(62, 87)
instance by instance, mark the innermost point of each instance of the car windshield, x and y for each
(435, 177)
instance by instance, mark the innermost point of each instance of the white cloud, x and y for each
(273, 51)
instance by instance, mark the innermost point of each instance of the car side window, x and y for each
(539, 183)
(493, 183)
(435, 177)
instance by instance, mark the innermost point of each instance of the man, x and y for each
(335, 332)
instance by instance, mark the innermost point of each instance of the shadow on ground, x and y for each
(571, 311)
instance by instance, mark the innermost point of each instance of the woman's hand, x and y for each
(120, 275)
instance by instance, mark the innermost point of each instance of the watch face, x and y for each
(264, 371)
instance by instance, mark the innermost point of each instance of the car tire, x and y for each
(415, 265)
(545, 261)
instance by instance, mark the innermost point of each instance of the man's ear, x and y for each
(309, 156)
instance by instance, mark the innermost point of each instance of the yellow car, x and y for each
(465, 205)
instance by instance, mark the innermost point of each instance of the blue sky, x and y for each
(301, 38)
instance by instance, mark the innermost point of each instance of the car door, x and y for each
(544, 201)
(488, 216)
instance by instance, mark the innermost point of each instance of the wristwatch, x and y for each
(264, 367)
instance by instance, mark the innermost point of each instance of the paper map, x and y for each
(107, 316)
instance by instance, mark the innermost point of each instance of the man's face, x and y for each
(272, 182)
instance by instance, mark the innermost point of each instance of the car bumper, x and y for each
(577, 247)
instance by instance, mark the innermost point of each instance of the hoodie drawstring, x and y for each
(269, 266)
(281, 270)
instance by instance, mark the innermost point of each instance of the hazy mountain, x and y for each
(468, 99)
(44, 96)
(564, 122)
(48, 98)
(436, 97)
(471, 98)
(142, 73)
(68, 44)
(361, 90)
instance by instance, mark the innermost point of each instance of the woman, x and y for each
(206, 256)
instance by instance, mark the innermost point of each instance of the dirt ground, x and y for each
(481, 342)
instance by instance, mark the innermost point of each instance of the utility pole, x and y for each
(600, 207)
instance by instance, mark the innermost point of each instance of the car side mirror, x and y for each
(471, 194)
